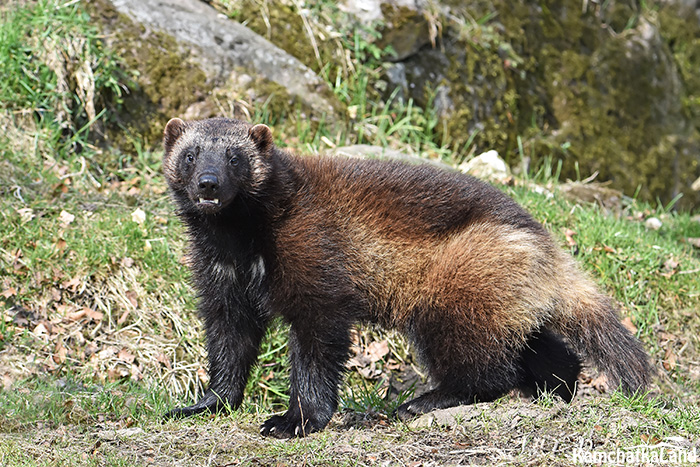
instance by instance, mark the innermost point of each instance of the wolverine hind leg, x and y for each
(545, 364)
(465, 364)
(549, 365)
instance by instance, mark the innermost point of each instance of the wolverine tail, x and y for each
(598, 334)
(588, 320)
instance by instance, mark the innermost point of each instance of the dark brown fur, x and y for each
(488, 299)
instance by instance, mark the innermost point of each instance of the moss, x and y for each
(578, 86)
(281, 23)
(161, 73)
(168, 82)
(405, 30)
(482, 98)
(681, 31)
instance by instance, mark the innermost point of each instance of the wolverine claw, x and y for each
(407, 412)
(280, 426)
(209, 403)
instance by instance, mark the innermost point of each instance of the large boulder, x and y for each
(606, 87)
(194, 62)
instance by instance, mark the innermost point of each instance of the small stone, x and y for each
(696, 185)
(653, 223)
(424, 421)
(488, 165)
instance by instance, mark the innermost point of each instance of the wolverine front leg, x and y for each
(318, 352)
(233, 341)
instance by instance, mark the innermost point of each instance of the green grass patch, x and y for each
(53, 402)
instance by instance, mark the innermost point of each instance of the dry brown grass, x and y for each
(511, 432)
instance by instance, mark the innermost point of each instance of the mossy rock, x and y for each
(600, 89)
(161, 73)
(281, 22)
(196, 74)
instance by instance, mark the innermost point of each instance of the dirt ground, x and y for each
(508, 432)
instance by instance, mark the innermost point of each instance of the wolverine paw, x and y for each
(428, 402)
(409, 411)
(209, 403)
(282, 426)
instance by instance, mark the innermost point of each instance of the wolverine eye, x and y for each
(189, 157)
(233, 161)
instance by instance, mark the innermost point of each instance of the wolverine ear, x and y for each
(261, 136)
(173, 130)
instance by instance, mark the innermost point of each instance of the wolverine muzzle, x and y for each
(208, 192)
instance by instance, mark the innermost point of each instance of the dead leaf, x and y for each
(609, 249)
(6, 382)
(127, 262)
(138, 216)
(76, 316)
(27, 214)
(369, 372)
(136, 373)
(55, 294)
(650, 439)
(629, 325)
(670, 359)
(60, 352)
(203, 376)
(125, 356)
(61, 245)
(159, 189)
(94, 314)
(162, 358)
(40, 330)
(694, 241)
(72, 284)
(694, 373)
(10, 292)
(85, 313)
(106, 353)
(670, 264)
(670, 268)
(115, 374)
(90, 349)
(123, 317)
(66, 309)
(65, 219)
(22, 317)
(131, 295)
(377, 350)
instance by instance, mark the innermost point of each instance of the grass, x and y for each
(98, 336)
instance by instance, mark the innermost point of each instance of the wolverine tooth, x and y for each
(208, 201)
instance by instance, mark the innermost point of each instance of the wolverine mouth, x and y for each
(210, 201)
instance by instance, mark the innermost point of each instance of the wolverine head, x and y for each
(208, 163)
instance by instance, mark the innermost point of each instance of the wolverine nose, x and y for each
(208, 183)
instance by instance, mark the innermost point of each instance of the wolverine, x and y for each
(489, 301)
